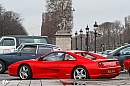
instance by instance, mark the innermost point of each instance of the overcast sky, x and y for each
(86, 12)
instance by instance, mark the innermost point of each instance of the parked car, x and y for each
(127, 65)
(106, 52)
(10, 43)
(66, 65)
(25, 51)
(122, 53)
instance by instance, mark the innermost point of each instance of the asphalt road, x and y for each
(122, 80)
(5, 76)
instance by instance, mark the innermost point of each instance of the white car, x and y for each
(10, 43)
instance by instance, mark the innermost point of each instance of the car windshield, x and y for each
(32, 40)
(115, 50)
(19, 48)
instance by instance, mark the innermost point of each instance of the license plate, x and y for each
(111, 71)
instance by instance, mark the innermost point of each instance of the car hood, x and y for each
(31, 61)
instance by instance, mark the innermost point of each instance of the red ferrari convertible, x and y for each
(67, 65)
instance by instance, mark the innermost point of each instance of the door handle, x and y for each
(33, 55)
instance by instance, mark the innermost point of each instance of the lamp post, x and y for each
(81, 32)
(76, 34)
(87, 31)
(95, 34)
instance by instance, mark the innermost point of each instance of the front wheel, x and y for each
(80, 73)
(25, 72)
(2, 67)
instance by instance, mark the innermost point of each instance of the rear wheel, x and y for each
(25, 72)
(2, 67)
(80, 73)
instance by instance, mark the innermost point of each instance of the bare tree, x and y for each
(52, 19)
(10, 23)
(127, 29)
(111, 34)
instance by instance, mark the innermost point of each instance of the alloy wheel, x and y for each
(80, 73)
(24, 72)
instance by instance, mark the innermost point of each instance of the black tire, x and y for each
(2, 67)
(80, 73)
(25, 72)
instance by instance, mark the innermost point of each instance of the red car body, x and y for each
(127, 65)
(91, 65)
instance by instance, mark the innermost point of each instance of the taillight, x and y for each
(100, 64)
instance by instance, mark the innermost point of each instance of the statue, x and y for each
(62, 25)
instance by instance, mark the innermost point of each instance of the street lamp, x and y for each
(87, 31)
(81, 32)
(95, 34)
(76, 34)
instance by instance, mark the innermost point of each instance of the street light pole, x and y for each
(76, 34)
(87, 31)
(81, 32)
(95, 34)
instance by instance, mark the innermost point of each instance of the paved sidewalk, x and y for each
(67, 82)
